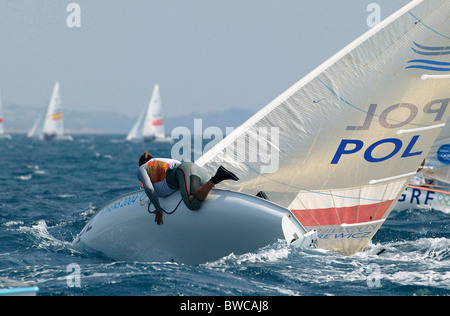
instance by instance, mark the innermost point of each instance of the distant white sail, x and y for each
(36, 129)
(136, 131)
(339, 147)
(53, 124)
(2, 129)
(150, 124)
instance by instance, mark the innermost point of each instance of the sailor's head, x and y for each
(144, 158)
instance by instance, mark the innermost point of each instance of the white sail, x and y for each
(136, 131)
(36, 129)
(154, 123)
(437, 163)
(339, 147)
(51, 126)
(2, 129)
(150, 124)
(430, 188)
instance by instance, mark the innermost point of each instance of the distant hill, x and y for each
(19, 119)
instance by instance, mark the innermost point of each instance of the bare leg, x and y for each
(202, 192)
(222, 174)
(189, 180)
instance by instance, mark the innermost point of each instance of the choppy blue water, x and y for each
(49, 190)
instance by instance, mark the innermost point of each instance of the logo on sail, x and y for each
(443, 154)
(427, 63)
(158, 122)
(56, 116)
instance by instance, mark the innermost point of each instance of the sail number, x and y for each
(436, 107)
(351, 146)
(392, 146)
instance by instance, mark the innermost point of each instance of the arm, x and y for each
(150, 191)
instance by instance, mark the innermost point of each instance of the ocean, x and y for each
(49, 190)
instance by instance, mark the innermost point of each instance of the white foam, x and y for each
(271, 253)
(44, 238)
(24, 177)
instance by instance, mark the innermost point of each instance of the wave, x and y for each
(271, 253)
(421, 263)
(25, 177)
(42, 239)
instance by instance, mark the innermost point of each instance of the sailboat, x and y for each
(51, 125)
(329, 157)
(150, 124)
(3, 135)
(430, 188)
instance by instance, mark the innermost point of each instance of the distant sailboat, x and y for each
(150, 124)
(51, 126)
(431, 185)
(2, 129)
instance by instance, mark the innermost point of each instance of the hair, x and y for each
(144, 158)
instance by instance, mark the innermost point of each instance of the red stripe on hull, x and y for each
(341, 215)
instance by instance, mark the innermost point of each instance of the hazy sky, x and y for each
(207, 55)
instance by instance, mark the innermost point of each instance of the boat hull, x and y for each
(228, 222)
(10, 287)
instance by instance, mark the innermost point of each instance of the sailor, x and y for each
(162, 176)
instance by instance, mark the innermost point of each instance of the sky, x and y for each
(206, 55)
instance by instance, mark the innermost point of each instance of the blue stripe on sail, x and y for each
(432, 47)
(431, 62)
(428, 68)
(440, 53)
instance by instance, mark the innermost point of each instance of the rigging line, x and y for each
(359, 109)
(428, 189)
(153, 212)
(419, 21)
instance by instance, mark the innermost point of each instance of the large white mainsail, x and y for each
(339, 147)
(150, 124)
(3, 135)
(53, 124)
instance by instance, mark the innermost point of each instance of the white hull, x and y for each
(157, 139)
(228, 222)
(5, 136)
(10, 287)
(416, 197)
(20, 291)
(59, 138)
